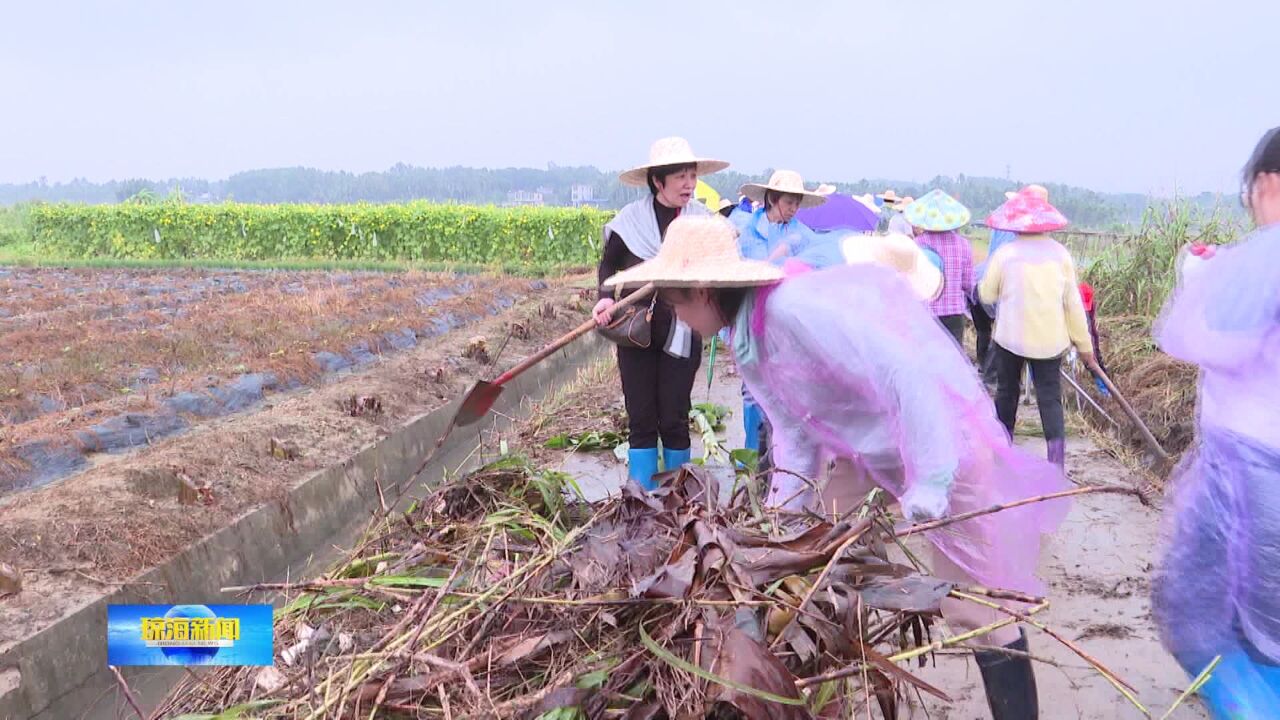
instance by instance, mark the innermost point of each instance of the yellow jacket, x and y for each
(1039, 313)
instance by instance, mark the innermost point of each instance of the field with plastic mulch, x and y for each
(126, 390)
(106, 361)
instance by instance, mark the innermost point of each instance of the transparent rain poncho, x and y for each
(848, 363)
(1219, 583)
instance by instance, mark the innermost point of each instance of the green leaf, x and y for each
(563, 713)
(662, 654)
(587, 441)
(593, 680)
(298, 604)
(357, 602)
(408, 581)
(235, 712)
(747, 459)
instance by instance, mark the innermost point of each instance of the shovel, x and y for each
(481, 397)
(1081, 393)
(1137, 421)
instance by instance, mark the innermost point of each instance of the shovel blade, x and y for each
(477, 403)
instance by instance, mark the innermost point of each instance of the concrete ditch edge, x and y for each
(63, 667)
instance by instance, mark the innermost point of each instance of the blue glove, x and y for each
(1102, 387)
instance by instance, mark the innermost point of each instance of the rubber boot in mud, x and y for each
(642, 465)
(1057, 453)
(673, 460)
(1010, 682)
(752, 420)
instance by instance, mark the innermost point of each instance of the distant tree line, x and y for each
(1086, 208)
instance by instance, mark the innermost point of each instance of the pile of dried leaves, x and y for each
(499, 597)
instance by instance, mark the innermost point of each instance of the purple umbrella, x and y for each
(839, 212)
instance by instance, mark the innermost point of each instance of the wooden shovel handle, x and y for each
(572, 335)
(1133, 415)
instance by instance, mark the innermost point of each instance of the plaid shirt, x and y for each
(957, 271)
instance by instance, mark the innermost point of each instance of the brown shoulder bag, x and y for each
(632, 326)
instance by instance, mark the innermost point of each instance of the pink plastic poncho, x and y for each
(1220, 578)
(847, 362)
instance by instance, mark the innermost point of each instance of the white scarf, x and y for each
(637, 225)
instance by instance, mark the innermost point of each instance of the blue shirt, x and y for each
(758, 238)
(999, 238)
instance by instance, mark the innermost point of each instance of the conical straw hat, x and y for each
(670, 151)
(784, 181)
(1027, 213)
(699, 251)
(937, 212)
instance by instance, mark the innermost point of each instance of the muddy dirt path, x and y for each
(1097, 567)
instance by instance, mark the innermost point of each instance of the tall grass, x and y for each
(1133, 276)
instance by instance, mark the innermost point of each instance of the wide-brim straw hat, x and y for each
(889, 196)
(937, 211)
(1027, 213)
(1040, 190)
(666, 152)
(784, 181)
(897, 252)
(868, 201)
(699, 251)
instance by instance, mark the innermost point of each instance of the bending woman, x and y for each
(886, 393)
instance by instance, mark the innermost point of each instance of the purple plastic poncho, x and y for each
(847, 362)
(1220, 578)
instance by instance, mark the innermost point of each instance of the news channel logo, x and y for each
(189, 635)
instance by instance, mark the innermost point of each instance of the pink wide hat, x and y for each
(1027, 213)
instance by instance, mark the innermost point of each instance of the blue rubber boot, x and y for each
(1242, 688)
(642, 465)
(752, 419)
(673, 460)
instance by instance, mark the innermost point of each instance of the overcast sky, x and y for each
(1118, 95)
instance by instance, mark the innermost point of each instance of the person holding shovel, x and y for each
(1217, 591)
(884, 391)
(982, 314)
(1032, 280)
(657, 380)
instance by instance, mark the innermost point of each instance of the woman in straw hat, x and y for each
(885, 392)
(891, 206)
(1040, 316)
(983, 314)
(657, 380)
(938, 215)
(1217, 592)
(772, 233)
